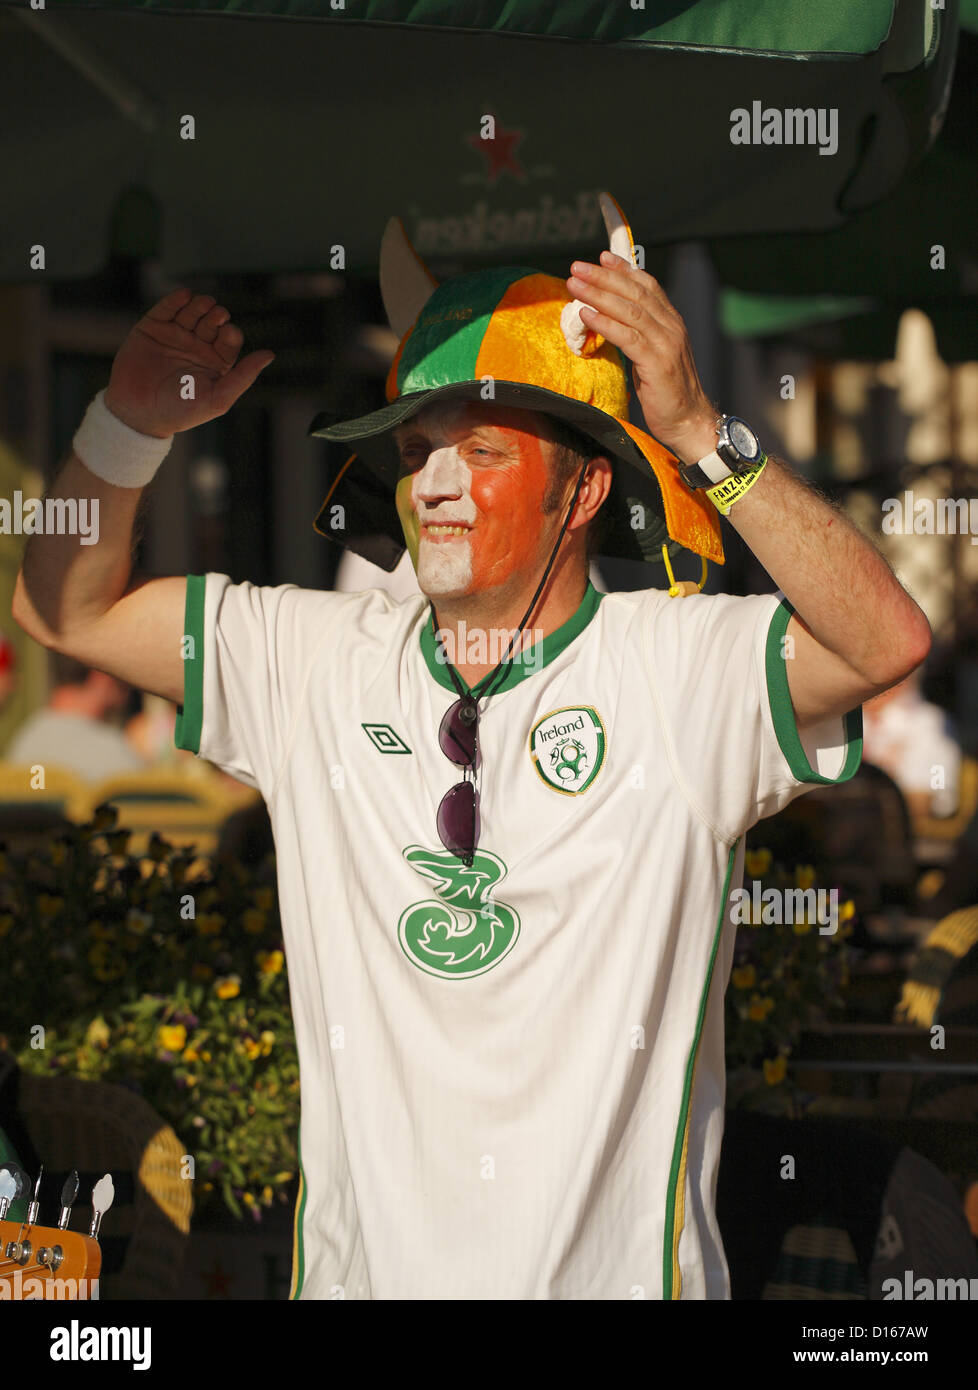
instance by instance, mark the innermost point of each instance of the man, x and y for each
(914, 741)
(504, 882)
(78, 729)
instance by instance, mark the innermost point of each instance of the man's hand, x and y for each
(183, 335)
(631, 310)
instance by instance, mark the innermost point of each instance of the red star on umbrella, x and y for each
(499, 152)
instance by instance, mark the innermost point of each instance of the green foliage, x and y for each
(786, 976)
(91, 928)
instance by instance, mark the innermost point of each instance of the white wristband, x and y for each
(715, 468)
(112, 451)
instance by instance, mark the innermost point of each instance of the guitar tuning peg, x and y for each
(32, 1210)
(8, 1189)
(68, 1194)
(103, 1194)
(15, 1186)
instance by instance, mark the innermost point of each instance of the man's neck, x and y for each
(482, 624)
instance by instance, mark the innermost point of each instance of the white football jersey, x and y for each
(512, 1075)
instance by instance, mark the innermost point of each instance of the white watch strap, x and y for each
(715, 468)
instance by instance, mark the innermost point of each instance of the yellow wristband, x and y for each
(731, 490)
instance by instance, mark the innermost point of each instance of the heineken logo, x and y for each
(461, 930)
(567, 747)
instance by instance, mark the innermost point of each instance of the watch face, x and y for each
(743, 438)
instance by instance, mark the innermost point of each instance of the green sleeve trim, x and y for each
(190, 715)
(783, 713)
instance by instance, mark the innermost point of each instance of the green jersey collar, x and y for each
(522, 663)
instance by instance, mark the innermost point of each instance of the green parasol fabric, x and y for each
(310, 125)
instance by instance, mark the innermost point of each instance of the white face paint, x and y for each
(441, 493)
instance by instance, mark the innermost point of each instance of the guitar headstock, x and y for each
(45, 1262)
(49, 1262)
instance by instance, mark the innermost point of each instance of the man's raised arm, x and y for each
(82, 599)
(856, 631)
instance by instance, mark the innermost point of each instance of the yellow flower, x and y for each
(804, 876)
(267, 1042)
(263, 898)
(775, 1069)
(757, 862)
(205, 1056)
(200, 971)
(138, 922)
(191, 1080)
(228, 986)
(270, 962)
(172, 1037)
(97, 1033)
(251, 1049)
(283, 1177)
(744, 977)
(6, 922)
(210, 923)
(758, 1008)
(248, 1199)
(48, 905)
(266, 1195)
(190, 1054)
(253, 920)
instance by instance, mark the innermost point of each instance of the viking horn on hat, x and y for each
(406, 283)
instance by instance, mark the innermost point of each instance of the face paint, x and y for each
(472, 469)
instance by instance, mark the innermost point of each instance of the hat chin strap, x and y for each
(484, 687)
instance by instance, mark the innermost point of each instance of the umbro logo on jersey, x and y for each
(383, 738)
(567, 747)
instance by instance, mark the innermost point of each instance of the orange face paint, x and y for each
(481, 468)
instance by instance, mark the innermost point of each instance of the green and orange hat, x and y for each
(514, 336)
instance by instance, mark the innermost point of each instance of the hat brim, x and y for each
(648, 506)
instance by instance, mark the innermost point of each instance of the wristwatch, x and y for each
(738, 451)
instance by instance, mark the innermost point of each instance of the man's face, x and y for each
(472, 482)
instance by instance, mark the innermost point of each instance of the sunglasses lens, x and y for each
(457, 734)
(458, 820)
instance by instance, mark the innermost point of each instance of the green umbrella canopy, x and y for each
(313, 125)
(841, 292)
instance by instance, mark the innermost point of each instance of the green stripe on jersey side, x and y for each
(298, 1248)
(671, 1235)
(190, 715)
(444, 344)
(783, 713)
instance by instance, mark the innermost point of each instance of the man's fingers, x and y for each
(636, 314)
(239, 378)
(228, 342)
(630, 282)
(168, 307)
(212, 322)
(191, 314)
